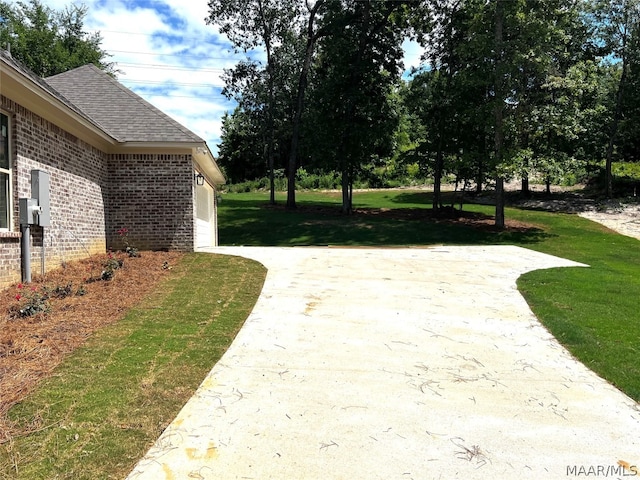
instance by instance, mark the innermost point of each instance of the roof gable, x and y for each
(123, 114)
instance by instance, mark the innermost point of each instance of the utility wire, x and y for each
(171, 83)
(169, 67)
(181, 55)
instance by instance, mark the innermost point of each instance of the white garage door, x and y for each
(205, 216)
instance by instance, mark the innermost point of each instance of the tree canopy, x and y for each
(48, 41)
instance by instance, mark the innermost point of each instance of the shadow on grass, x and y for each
(322, 223)
(426, 198)
(413, 198)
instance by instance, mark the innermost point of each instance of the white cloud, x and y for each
(166, 53)
(170, 57)
(412, 53)
(194, 12)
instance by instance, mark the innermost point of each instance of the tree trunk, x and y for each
(270, 122)
(437, 179)
(270, 146)
(525, 186)
(617, 114)
(499, 112)
(297, 120)
(346, 151)
(500, 202)
(347, 205)
(480, 173)
(295, 137)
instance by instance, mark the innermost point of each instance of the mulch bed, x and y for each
(32, 346)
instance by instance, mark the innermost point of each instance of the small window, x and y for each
(5, 174)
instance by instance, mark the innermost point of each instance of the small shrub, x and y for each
(31, 302)
(317, 180)
(110, 266)
(60, 291)
(128, 248)
(64, 291)
(113, 263)
(107, 274)
(413, 170)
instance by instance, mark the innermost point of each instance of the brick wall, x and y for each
(152, 196)
(93, 194)
(9, 258)
(78, 177)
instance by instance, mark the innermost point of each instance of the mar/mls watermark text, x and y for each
(622, 469)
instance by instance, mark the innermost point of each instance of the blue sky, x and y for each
(167, 54)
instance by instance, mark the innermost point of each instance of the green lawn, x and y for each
(594, 312)
(246, 219)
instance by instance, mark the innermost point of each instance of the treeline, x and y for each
(508, 89)
(50, 41)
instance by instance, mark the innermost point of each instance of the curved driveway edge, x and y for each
(420, 363)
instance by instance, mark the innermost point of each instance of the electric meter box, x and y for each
(40, 191)
(28, 207)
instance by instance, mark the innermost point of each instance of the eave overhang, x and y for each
(24, 91)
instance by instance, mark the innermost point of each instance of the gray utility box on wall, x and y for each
(29, 211)
(40, 191)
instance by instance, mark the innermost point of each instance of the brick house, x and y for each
(113, 161)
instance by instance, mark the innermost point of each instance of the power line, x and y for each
(199, 97)
(169, 67)
(181, 55)
(170, 83)
(155, 34)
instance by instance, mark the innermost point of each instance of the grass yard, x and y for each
(110, 400)
(381, 218)
(594, 312)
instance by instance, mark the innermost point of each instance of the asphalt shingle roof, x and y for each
(24, 70)
(124, 115)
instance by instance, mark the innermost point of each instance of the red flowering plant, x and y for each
(106, 270)
(128, 248)
(31, 301)
(110, 266)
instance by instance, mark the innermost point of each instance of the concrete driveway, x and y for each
(397, 364)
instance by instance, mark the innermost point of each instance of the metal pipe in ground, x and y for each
(25, 253)
(42, 257)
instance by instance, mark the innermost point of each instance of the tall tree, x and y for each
(443, 86)
(251, 24)
(616, 22)
(492, 60)
(49, 41)
(240, 152)
(358, 66)
(311, 34)
(630, 123)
